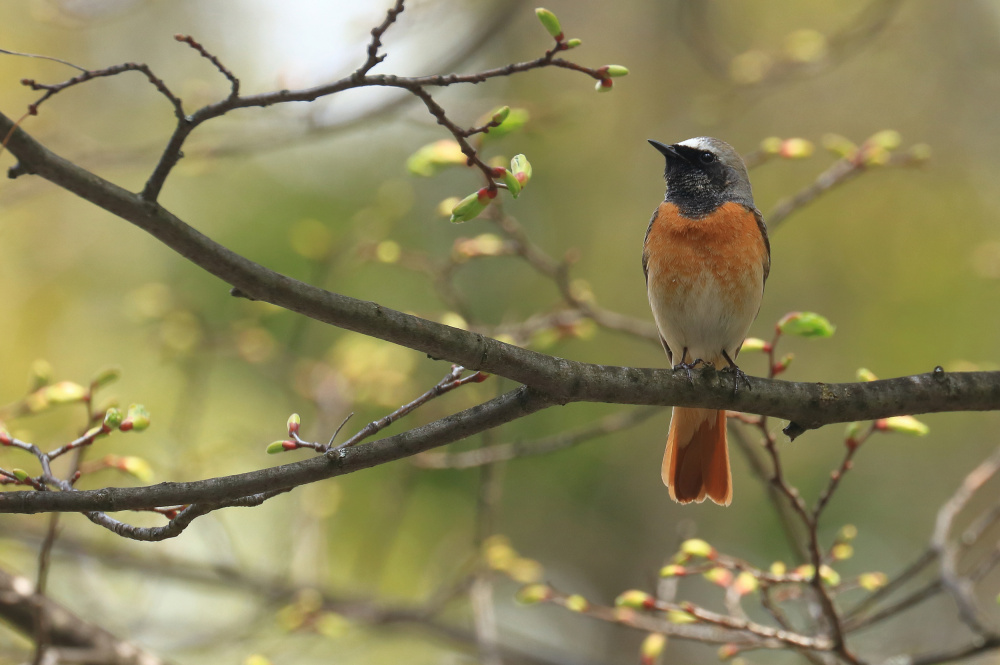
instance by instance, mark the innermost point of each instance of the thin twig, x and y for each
(234, 83)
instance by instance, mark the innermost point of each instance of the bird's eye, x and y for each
(706, 157)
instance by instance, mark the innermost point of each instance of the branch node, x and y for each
(237, 293)
(793, 430)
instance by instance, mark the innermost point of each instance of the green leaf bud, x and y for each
(906, 425)
(521, 168)
(533, 594)
(805, 324)
(113, 418)
(635, 599)
(550, 23)
(468, 208)
(513, 186)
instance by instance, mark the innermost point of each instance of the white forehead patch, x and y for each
(698, 143)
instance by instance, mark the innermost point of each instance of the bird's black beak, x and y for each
(668, 151)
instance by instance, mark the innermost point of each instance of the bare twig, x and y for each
(234, 83)
(959, 587)
(91, 74)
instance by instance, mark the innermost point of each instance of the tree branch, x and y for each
(339, 461)
(808, 405)
(70, 638)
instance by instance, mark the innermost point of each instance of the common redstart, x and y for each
(706, 257)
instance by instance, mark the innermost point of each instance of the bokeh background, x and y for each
(904, 261)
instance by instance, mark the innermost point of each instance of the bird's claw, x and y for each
(687, 367)
(738, 375)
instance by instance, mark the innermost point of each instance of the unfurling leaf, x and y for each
(521, 168)
(533, 593)
(113, 418)
(872, 581)
(698, 547)
(637, 600)
(905, 425)
(468, 208)
(550, 22)
(513, 185)
(64, 392)
(137, 418)
(106, 376)
(432, 157)
(652, 648)
(754, 344)
(805, 324)
(513, 120)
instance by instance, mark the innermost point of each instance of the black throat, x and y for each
(694, 203)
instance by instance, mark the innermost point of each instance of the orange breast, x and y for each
(726, 244)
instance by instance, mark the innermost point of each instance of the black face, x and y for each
(697, 180)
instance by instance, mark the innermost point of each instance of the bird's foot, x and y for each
(687, 367)
(738, 374)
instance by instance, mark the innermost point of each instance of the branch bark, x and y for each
(550, 380)
(809, 405)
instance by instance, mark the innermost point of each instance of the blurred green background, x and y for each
(905, 262)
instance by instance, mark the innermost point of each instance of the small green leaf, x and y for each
(432, 157)
(680, 617)
(106, 376)
(65, 392)
(276, 447)
(514, 120)
(513, 186)
(521, 168)
(754, 344)
(615, 71)
(20, 474)
(847, 533)
(872, 581)
(137, 467)
(293, 424)
(698, 547)
(113, 418)
(806, 324)
(577, 603)
(866, 375)
(501, 114)
(635, 599)
(652, 647)
(842, 551)
(745, 583)
(887, 139)
(137, 417)
(549, 22)
(468, 208)
(533, 594)
(906, 425)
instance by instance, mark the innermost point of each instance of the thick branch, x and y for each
(69, 635)
(806, 404)
(339, 461)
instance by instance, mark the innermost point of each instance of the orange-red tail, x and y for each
(696, 463)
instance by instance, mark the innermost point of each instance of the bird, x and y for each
(706, 258)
